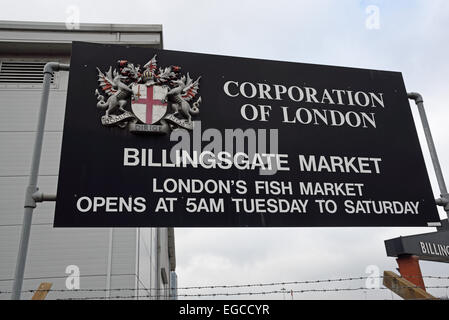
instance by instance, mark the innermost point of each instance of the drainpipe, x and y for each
(444, 200)
(32, 194)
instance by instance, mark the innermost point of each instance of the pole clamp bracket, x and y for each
(443, 201)
(41, 197)
(30, 202)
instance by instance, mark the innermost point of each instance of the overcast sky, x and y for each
(412, 38)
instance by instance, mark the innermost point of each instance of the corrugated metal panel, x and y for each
(123, 282)
(23, 116)
(164, 252)
(124, 251)
(147, 263)
(52, 250)
(86, 282)
(144, 267)
(164, 262)
(12, 193)
(18, 146)
(22, 72)
(25, 73)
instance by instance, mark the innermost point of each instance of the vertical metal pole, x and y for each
(158, 265)
(137, 267)
(30, 203)
(109, 268)
(444, 201)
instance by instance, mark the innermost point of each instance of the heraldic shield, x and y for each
(149, 104)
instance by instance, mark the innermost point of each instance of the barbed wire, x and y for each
(230, 294)
(285, 283)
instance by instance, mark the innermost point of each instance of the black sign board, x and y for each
(429, 246)
(158, 138)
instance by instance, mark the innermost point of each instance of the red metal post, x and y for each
(410, 270)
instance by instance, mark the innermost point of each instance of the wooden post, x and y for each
(42, 291)
(404, 288)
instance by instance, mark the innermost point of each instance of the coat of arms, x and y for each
(147, 99)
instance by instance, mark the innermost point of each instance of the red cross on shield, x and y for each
(147, 105)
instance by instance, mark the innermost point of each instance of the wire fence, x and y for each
(260, 293)
(157, 293)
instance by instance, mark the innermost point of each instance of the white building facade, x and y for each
(112, 263)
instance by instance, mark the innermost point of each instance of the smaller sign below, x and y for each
(428, 246)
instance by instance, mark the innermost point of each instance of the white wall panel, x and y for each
(123, 282)
(18, 149)
(22, 116)
(21, 102)
(124, 251)
(86, 282)
(164, 251)
(9, 243)
(12, 195)
(147, 264)
(52, 250)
